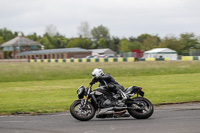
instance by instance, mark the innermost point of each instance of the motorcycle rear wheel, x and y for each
(80, 113)
(141, 114)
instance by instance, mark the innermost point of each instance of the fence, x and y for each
(127, 59)
(194, 52)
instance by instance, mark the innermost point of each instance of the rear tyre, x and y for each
(82, 113)
(138, 113)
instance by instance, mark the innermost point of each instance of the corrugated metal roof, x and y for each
(51, 51)
(160, 50)
(20, 41)
(106, 51)
(100, 50)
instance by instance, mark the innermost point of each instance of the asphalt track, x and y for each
(166, 119)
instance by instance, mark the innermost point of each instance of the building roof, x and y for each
(159, 51)
(20, 41)
(52, 51)
(102, 51)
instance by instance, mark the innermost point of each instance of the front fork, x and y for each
(83, 104)
(84, 101)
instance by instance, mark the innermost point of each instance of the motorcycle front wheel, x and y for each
(144, 113)
(82, 112)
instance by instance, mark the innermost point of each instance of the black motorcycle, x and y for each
(109, 105)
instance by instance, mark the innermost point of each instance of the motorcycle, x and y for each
(106, 104)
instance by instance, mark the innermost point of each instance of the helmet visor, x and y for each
(93, 75)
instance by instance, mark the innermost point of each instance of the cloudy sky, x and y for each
(123, 18)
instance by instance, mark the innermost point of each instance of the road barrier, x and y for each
(120, 59)
(190, 58)
(154, 59)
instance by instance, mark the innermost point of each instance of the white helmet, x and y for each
(97, 72)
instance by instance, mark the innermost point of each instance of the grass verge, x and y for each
(56, 95)
(14, 72)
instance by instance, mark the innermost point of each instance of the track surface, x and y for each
(166, 119)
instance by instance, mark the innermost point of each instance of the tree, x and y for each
(198, 45)
(100, 32)
(134, 45)
(127, 46)
(51, 30)
(172, 43)
(124, 45)
(79, 42)
(86, 43)
(84, 30)
(150, 42)
(45, 42)
(1, 40)
(114, 44)
(33, 37)
(61, 41)
(189, 41)
(132, 39)
(142, 37)
(102, 43)
(7, 34)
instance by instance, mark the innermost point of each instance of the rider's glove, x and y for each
(99, 78)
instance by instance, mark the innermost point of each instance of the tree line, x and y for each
(99, 37)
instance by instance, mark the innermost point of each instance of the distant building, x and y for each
(24, 48)
(19, 44)
(137, 53)
(161, 53)
(61, 53)
(105, 51)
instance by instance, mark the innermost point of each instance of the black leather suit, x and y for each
(113, 86)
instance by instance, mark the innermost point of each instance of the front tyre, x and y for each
(144, 113)
(81, 112)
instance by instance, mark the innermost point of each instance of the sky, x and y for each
(123, 18)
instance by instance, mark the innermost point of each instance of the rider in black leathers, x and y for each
(99, 76)
(112, 85)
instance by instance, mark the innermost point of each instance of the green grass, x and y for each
(46, 87)
(12, 72)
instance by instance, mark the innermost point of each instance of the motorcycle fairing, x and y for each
(103, 90)
(134, 89)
